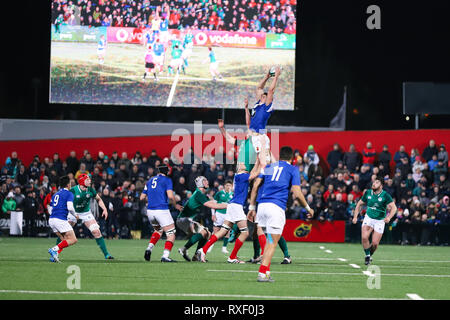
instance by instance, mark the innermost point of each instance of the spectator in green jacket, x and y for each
(9, 204)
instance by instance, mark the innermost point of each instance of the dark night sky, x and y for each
(334, 49)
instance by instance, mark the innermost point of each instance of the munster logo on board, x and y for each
(302, 230)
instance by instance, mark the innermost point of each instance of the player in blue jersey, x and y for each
(60, 206)
(260, 114)
(159, 194)
(149, 38)
(234, 215)
(280, 178)
(101, 49)
(159, 53)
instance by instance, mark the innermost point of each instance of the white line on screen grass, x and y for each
(354, 266)
(205, 295)
(172, 90)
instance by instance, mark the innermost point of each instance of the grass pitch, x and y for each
(77, 77)
(319, 271)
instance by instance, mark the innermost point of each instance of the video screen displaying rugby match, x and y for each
(198, 53)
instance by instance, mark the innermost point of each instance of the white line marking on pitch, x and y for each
(414, 296)
(354, 266)
(321, 247)
(342, 259)
(172, 89)
(328, 251)
(368, 273)
(145, 294)
(344, 273)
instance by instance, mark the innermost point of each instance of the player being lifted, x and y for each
(234, 215)
(185, 220)
(279, 178)
(83, 193)
(378, 203)
(260, 114)
(159, 194)
(59, 208)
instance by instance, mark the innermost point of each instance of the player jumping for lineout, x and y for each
(185, 220)
(150, 66)
(378, 202)
(83, 193)
(159, 193)
(260, 114)
(279, 179)
(101, 49)
(60, 206)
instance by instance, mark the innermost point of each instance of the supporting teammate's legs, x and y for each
(242, 225)
(93, 226)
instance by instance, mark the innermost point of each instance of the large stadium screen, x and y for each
(179, 53)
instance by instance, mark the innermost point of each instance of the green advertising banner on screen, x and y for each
(77, 33)
(280, 41)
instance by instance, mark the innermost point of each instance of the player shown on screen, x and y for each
(159, 194)
(378, 203)
(188, 44)
(60, 206)
(260, 114)
(213, 64)
(176, 61)
(159, 53)
(101, 49)
(150, 65)
(277, 180)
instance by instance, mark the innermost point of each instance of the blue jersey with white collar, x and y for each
(59, 204)
(240, 188)
(156, 191)
(260, 114)
(278, 177)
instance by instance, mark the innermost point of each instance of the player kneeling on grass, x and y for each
(279, 179)
(378, 202)
(185, 220)
(234, 215)
(159, 191)
(83, 193)
(60, 206)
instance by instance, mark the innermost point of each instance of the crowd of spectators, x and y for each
(271, 16)
(418, 183)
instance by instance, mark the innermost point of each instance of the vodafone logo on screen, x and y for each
(226, 38)
(128, 35)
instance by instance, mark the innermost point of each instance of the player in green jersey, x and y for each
(176, 61)
(185, 220)
(82, 195)
(218, 216)
(378, 203)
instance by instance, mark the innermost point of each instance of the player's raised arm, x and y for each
(247, 114)
(261, 85)
(227, 136)
(299, 195)
(272, 86)
(254, 192)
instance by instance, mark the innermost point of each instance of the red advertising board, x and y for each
(314, 231)
(201, 38)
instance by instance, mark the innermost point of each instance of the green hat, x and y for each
(310, 147)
